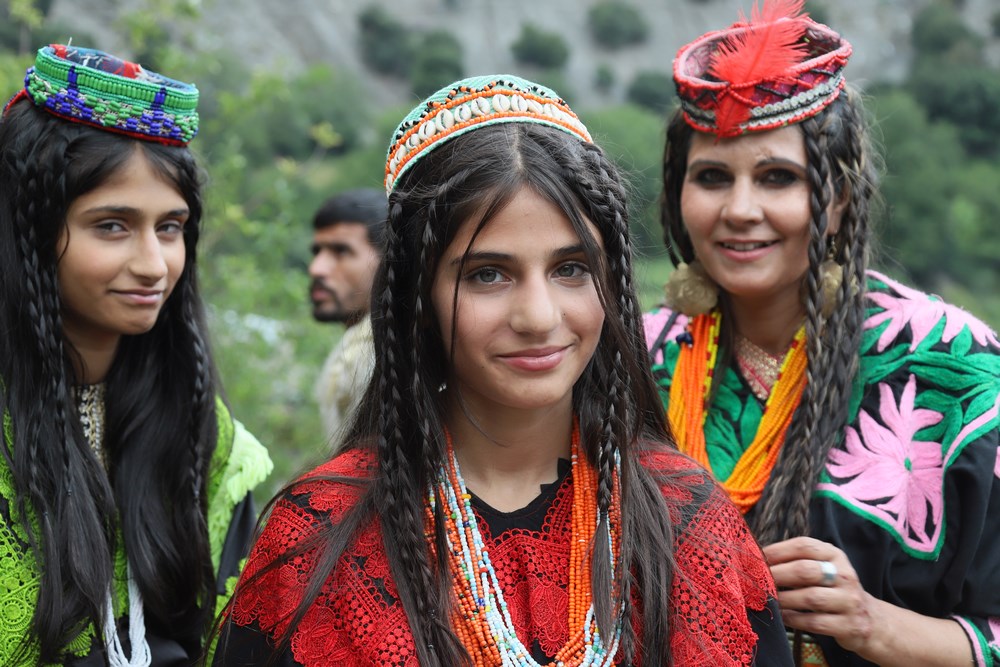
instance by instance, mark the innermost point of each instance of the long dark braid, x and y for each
(837, 137)
(630, 404)
(809, 434)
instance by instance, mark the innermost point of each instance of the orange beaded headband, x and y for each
(778, 68)
(471, 103)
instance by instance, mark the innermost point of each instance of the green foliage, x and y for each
(653, 90)
(386, 44)
(436, 63)
(614, 24)
(267, 115)
(24, 27)
(995, 23)
(942, 204)
(604, 78)
(966, 96)
(937, 29)
(633, 138)
(541, 48)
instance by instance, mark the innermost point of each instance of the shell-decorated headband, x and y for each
(469, 104)
(95, 88)
(778, 68)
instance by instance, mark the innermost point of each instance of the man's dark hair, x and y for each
(364, 205)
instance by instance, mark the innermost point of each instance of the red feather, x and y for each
(764, 51)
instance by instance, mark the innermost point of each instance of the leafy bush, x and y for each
(436, 63)
(967, 97)
(386, 44)
(937, 29)
(604, 78)
(652, 90)
(539, 47)
(614, 24)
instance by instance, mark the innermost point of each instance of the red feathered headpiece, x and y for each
(777, 68)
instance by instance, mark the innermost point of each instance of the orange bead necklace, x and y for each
(480, 618)
(689, 392)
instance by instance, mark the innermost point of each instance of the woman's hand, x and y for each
(819, 593)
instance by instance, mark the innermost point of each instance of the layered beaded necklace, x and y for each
(689, 393)
(481, 619)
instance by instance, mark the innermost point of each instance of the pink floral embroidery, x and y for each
(996, 471)
(892, 476)
(995, 629)
(922, 313)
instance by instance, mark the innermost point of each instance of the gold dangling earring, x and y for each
(831, 277)
(690, 290)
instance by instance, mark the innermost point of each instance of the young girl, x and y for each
(124, 483)
(508, 494)
(853, 419)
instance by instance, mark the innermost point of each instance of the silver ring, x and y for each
(829, 571)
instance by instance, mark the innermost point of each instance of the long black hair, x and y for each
(473, 177)
(160, 426)
(841, 164)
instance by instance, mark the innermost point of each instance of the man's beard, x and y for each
(338, 316)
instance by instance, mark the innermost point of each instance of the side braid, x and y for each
(785, 503)
(73, 504)
(440, 637)
(400, 495)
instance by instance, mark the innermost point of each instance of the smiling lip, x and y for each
(538, 359)
(142, 297)
(745, 251)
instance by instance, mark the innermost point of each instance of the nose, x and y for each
(742, 206)
(535, 308)
(320, 265)
(149, 261)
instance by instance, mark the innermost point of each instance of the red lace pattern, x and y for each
(357, 620)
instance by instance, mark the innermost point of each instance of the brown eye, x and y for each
(779, 177)
(711, 176)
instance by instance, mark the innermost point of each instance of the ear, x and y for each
(836, 211)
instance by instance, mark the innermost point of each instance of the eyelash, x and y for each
(712, 177)
(579, 271)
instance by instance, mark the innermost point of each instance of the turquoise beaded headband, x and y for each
(95, 88)
(471, 103)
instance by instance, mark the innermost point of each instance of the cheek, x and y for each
(695, 212)
(175, 257)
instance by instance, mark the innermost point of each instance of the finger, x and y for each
(799, 548)
(815, 600)
(806, 573)
(833, 625)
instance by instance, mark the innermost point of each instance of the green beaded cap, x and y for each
(95, 88)
(471, 103)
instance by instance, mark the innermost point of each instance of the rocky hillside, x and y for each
(289, 33)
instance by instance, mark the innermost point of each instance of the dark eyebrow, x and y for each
(768, 162)
(488, 256)
(132, 211)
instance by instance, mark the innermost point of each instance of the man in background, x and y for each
(347, 240)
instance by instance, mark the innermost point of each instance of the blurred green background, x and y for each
(276, 142)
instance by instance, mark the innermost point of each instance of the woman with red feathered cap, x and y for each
(852, 419)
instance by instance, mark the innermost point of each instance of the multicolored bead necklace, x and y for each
(689, 393)
(481, 619)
